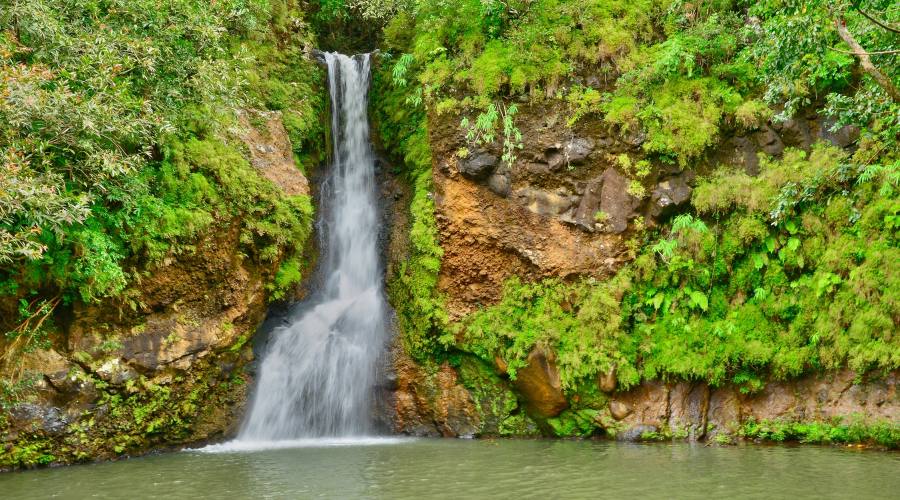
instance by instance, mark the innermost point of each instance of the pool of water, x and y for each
(425, 468)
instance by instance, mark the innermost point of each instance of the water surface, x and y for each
(420, 469)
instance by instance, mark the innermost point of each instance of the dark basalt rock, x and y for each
(588, 206)
(794, 133)
(478, 166)
(573, 152)
(769, 141)
(578, 149)
(49, 419)
(843, 137)
(669, 194)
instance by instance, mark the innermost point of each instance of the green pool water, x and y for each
(424, 468)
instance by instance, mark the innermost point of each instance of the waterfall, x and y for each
(317, 374)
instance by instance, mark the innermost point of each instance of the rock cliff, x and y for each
(566, 207)
(167, 363)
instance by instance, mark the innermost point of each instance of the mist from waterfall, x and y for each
(316, 377)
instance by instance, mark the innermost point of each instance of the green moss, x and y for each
(851, 430)
(771, 290)
(289, 274)
(575, 423)
(498, 408)
(580, 321)
(138, 154)
(413, 289)
(136, 417)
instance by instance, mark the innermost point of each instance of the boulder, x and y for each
(634, 138)
(429, 403)
(543, 202)
(741, 152)
(842, 137)
(572, 152)
(615, 201)
(499, 184)
(539, 385)
(670, 193)
(32, 416)
(619, 410)
(50, 363)
(115, 372)
(636, 432)
(537, 168)
(795, 133)
(588, 206)
(578, 149)
(478, 166)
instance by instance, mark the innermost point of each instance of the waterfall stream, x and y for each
(317, 374)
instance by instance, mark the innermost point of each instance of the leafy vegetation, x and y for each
(118, 145)
(776, 275)
(413, 290)
(779, 286)
(839, 431)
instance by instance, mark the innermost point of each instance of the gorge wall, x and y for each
(536, 219)
(596, 223)
(169, 363)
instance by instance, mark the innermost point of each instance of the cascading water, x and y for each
(317, 375)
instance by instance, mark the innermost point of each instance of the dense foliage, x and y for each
(679, 71)
(769, 276)
(772, 288)
(118, 138)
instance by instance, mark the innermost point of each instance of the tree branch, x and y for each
(875, 53)
(877, 22)
(865, 62)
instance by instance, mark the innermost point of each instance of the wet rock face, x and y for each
(196, 306)
(701, 411)
(564, 209)
(566, 204)
(185, 335)
(50, 419)
(430, 403)
(180, 344)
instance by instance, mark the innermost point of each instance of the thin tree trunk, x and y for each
(864, 60)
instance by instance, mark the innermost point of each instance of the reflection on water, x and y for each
(417, 469)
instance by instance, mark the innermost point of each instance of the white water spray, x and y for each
(317, 376)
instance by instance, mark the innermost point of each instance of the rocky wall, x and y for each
(162, 365)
